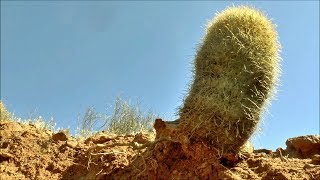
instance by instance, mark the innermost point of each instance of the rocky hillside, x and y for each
(28, 152)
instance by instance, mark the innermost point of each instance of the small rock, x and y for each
(262, 154)
(72, 144)
(316, 159)
(266, 151)
(307, 166)
(229, 159)
(60, 136)
(303, 146)
(142, 138)
(5, 156)
(4, 145)
(280, 153)
(100, 145)
(100, 138)
(164, 129)
(282, 176)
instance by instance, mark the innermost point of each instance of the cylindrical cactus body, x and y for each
(236, 71)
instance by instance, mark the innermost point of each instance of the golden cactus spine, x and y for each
(236, 72)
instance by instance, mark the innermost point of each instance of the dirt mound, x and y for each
(27, 152)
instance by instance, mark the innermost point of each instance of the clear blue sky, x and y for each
(62, 57)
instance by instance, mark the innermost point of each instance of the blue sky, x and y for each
(58, 58)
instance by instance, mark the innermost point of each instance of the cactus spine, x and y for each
(236, 71)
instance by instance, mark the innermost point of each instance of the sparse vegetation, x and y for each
(86, 125)
(129, 119)
(125, 119)
(41, 123)
(4, 113)
(38, 122)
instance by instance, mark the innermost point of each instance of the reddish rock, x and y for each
(267, 151)
(60, 136)
(143, 138)
(100, 138)
(316, 159)
(303, 146)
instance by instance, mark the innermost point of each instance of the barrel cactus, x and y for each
(236, 73)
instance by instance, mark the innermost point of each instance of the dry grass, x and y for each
(129, 119)
(38, 122)
(4, 113)
(125, 119)
(86, 125)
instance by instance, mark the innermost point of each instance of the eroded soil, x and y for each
(27, 152)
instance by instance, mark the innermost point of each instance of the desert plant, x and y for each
(129, 119)
(38, 122)
(236, 71)
(125, 119)
(90, 119)
(4, 113)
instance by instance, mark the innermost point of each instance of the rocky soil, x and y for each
(27, 152)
